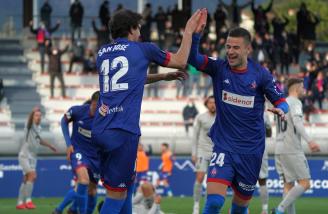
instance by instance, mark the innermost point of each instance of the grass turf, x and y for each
(176, 205)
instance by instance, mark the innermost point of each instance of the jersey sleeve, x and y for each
(271, 91)
(70, 114)
(154, 54)
(202, 62)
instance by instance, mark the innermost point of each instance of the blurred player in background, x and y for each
(166, 169)
(202, 147)
(291, 162)
(142, 166)
(122, 67)
(83, 156)
(240, 86)
(28, 158)
(264, 171)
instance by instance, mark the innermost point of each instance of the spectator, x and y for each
(153, 69)
(182, 86)
(259, 52)
(89, 64)
(2, 92)
(189, 114)
(104, 14)
(55, 68)
(234, 11)
(261, 24)
(119, 7)
(194, 80)
(318, 89)
(177, 19)
(284, 54)
(76, 12)
(160, 19)
(279, 26)
(77, 55)
(220, 17)
(103, 34)
(42, 35)
(145, 30)
(45, 13)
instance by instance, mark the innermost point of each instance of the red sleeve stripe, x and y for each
(167, 58)
(281, 100)
(239, 194)
(203, 66)
(217, 180)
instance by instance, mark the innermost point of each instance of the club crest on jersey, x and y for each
(226, 81)
(253, 85)
(237, 100)
(213, 172)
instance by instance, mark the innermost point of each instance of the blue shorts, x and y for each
(81, 159)
(141, 176)
(164, 175)
(240, 171)
(117, 158)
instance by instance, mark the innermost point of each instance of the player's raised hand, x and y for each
(193, 22)
(202, 21)
(176, 75)
(278, 112)
(314, 147)
(69, 151)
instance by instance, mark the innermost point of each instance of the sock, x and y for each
(197, 191)
(69, 197)
(91, 204)
(168, 190)
(127, 206)
(264, 197)
(81, 197)
(213, 204)
(112, 206)
(74, 206)
(236, 209)
(28, 190)
(21, 194)
(291, 196)
(291, 208)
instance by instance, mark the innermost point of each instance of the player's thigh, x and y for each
(295, 167)
(247, 168)
(28, 166)
(220, 172)
(118, 165)
(201, 167)
(80, 166)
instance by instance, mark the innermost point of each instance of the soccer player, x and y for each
(202, 147)
(142, 165)
(240, 86)
(264, 173)
(27, 158)
(83, 156)
(122, 67)
(166, 168)
(290, 159)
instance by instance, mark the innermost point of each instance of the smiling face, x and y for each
(237, 50)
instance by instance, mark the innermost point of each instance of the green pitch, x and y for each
(175, 205)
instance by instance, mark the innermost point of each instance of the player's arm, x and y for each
(297, 118)
(66, 119)
(195, 138)
(156, 208)
(274, 95)
(176, 75)
(46, 144)
(180, 58)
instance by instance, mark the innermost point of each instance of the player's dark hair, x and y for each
(207, 99)
(293, 81)
(122, 23)
(165, 144)
(240, 32)
(95, 96)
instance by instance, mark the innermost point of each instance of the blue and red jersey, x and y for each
(239, 98)
(122, 68)
(81, 129)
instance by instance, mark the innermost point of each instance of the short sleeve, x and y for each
(154, 54)
(70, 114)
